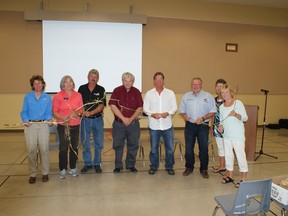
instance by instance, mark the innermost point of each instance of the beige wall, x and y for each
(180, 9)
(182, 49)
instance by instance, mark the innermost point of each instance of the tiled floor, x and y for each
(126, 194)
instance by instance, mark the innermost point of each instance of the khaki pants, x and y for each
(37, 135)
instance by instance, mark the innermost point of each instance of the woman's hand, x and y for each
(220, 129)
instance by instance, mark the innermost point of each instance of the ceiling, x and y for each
(259, 3)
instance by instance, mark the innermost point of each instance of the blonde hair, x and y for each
(229, 88)
(94, 71)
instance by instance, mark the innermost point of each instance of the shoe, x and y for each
(73, 172)
(45, 178)
(227, 180)
(85, 169)
(152, 171)
(62, 174)
(32, 180)
(133, 169)
(170, 171)
(217, 170)
(237, 185)
(187, 172)
(98, 169)
(204, 173)
(117, 170)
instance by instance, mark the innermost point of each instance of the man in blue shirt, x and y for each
(197, 107)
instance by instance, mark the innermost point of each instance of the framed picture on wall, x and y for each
(231, 47)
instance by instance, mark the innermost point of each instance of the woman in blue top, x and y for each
(36, 115)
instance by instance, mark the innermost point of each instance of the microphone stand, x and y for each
(264, 125)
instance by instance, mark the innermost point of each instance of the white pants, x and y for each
(239, 149)
(220, 145)
(37, 134)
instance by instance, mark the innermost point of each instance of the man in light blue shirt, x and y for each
(197, 107)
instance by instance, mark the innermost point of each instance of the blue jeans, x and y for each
(168, 138)
(201, 132)
(96, 126)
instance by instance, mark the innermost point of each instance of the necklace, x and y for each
(220, 100)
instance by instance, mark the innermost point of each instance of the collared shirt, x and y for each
(97, 95)
(36, 109)
(155, 103)
(65, 104)
(126, 101)
(197, 106)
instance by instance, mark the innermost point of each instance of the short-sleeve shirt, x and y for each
(197, 106)
(65, 104)
(97, 95)
(126, 101)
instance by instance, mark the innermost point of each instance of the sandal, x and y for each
(237, 185)
(227, 180)
(217, 170)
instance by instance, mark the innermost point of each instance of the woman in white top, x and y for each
(232, 118)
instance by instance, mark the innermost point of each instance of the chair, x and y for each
(176, 142)
(210, 142)
(56, 143)
(244, 201)
(141, 152)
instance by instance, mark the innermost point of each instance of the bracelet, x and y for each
(203, 119)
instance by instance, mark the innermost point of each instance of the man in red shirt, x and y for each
(127, 104)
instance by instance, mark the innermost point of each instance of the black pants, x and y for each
(70, 140)
(122, 135)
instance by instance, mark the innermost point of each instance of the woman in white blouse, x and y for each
(232, 118)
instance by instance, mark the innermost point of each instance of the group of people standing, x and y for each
(82, 113)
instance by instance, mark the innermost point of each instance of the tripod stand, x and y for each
(264, 125)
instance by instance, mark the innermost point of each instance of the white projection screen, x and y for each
(73, 48)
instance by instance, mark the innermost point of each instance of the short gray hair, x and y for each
(62, 82)
(197, 78)
(128, 75)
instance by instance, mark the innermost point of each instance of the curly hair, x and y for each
(39, 78)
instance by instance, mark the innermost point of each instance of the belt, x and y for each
(37, 120)
(93, 117)
(120, 121)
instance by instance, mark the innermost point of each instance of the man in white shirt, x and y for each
(160, 104)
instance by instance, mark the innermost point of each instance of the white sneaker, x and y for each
(62, 174)
(74, 172)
